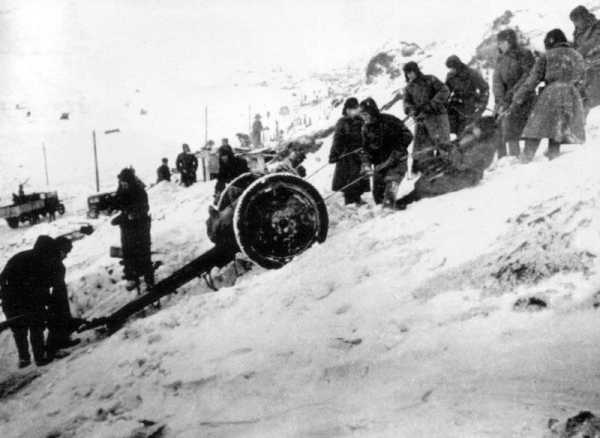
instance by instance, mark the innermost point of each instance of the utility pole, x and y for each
(96, 162)
(205, 125)
(45, 163)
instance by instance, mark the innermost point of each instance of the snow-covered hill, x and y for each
(471, 314)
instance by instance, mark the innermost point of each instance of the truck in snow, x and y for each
(101, 203)
(30, 208)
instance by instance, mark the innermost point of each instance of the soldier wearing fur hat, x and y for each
(512, 68)
(469, 94)
(425, 100)
(558, 114)
(586, 39)
(230, 167)
(385, 143)
(346, 154)
(134, 221)
(34, 296)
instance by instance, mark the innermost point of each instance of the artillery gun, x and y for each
(269, 218)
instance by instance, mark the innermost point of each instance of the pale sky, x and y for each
(221, 34)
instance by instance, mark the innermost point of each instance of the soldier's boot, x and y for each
(132, 284)
(36, 336)
(553, 149)
(403, 202)
(501, 150)
(20, 336)
(389, 197)
(514, 148)
(531, 147)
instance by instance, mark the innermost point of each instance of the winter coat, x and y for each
(26, 279)
(135, 223)
(163, 173)
(133, 203)
(425, 98)
(235, 167)
(558, 113)
(469, 94)
(385, 144)
(347, 138)
(186, 163)
(512, 69)
(587, 42)
(463, 167)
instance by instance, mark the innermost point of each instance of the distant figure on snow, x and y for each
(512, 68)
(187, 165)
(558, 114)
(163, 173)
(586, 39)
(385, 143)
(425, 99)
(346, 151)
(469, 94)
(460, 165)
(256, 134)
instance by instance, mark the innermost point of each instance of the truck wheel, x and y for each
(13, 222)
(61, 209)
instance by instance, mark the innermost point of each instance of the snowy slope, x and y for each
(400, 324)
(408, 331)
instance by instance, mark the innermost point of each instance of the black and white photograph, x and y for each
(303, 219)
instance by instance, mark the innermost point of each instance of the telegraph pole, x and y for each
(96, 161)
(205, 125)
(45, 163)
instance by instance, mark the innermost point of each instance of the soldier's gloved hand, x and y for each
(117, 220)
(366, 170)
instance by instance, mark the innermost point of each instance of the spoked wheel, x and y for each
(234, 189)
(278, 217)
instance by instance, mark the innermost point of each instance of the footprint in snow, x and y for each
(344, 344)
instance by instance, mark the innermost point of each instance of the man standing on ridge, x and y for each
(425, 99)
(512, 69)
(469, 94)
(187, 164)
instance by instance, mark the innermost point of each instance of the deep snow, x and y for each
(400, 324)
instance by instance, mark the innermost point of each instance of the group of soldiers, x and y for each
(186, 164)
(369, 143)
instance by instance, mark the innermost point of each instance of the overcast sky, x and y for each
(95, 44)
(315, 34)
